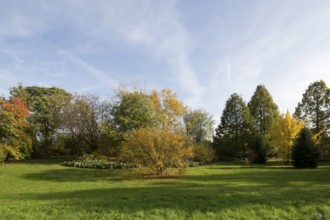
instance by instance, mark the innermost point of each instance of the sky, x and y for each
(202, 50)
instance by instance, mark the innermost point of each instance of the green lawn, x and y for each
(46, 190)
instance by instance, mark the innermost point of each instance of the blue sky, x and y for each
(202, 50)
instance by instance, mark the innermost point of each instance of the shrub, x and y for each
(157, 149)
(305, 153)
(257, 153)
(203, 153)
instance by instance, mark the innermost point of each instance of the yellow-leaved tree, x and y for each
(169, 109)
(157, 149)
(283, 133)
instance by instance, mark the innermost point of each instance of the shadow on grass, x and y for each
(187, 197)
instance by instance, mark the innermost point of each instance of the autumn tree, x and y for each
(157, 149)
(234, 131)
(169, 109)
(284, 132)
(199, 125)
(305, 153)
(314, 109)
(46, 105)
(15, 141)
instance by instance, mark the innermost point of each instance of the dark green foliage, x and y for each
(263, 110)
(233, 134)
(305, 153)
(257, 151)
(99, 164)
(314, 109)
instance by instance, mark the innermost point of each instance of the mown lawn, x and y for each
(47, 190)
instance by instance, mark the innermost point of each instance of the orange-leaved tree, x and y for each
(157, 149)
(15, 140)
(284, 132)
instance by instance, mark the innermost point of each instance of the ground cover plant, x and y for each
(47, 190)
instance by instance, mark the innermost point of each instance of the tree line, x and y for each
(256, 131)
(38, 122)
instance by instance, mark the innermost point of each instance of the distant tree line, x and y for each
(256, 131)
(38, 122)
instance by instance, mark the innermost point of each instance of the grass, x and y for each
(46, 190)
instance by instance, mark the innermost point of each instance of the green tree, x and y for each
(83, 121)
(263, 110)
(46, 105)
(199, 125)
(234, 131)
(314, 109)
(305, 153)
(131, 110)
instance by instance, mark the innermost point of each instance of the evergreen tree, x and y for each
(234, 131)
(305, 154)
(263, 110)
(314, 109)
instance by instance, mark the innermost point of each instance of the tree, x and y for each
(131, 110)
(15, 140)
(283, 133)
(305, 153)
(263, 110)
(169, 109)
(199, 125)
(257, 151)
(157, 149)
(234, 131)
(46, 106)
(84, 116)
(314, 109)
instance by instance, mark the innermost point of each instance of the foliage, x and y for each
(99, 164)
(314, 106)
(169, 109)
(314, 109)
(234, 131)
(82, 118)
(283, 133)
(203, 153)
(46, 105)
(15, 141)
(199, 125)
(157, 149)
(305, 153)
(131, 110)
(263, 110)
(257, 152)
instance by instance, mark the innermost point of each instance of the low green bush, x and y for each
(99, 164)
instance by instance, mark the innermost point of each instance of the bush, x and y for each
(257, 153)
(99, 164)
(157, 149)
(305, 153)
(203, 153)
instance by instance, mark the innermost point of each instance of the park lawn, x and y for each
(47, 190)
